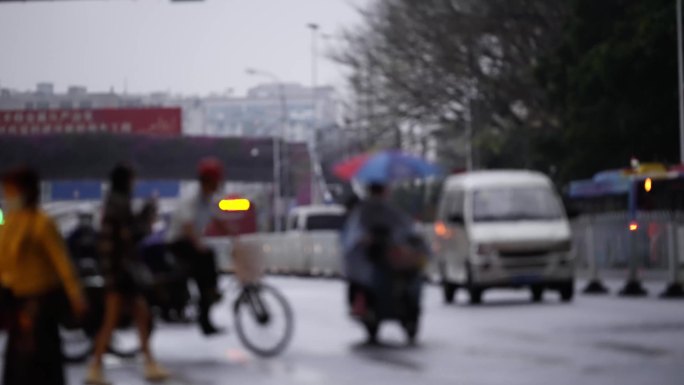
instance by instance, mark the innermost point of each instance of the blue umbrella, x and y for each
(392, 166)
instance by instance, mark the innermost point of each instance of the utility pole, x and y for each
(278, 139)
(314, 106)
(680, 84)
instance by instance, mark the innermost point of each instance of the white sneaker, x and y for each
(95, 376)
(155, 373)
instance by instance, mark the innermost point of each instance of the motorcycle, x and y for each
(394, 291)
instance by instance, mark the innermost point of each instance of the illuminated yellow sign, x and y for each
(239, 204)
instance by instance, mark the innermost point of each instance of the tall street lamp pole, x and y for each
(314, 103)
(680, 85)
(277, 172)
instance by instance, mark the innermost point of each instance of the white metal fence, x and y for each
(655, 240)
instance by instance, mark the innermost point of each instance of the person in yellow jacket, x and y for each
(37, 272)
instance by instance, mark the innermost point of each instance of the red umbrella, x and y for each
(346, 169)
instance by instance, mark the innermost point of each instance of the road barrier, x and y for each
(294, 253)
(653, 241)
(602, 243)
(674, 288)
(595, 284)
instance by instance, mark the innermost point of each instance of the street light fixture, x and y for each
(277, 183)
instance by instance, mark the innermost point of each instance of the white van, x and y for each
(503, 229)
(312, 241)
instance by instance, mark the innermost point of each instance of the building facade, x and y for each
(287, 110)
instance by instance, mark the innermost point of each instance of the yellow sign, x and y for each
(234, 204)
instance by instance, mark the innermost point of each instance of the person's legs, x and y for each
(33, 354)
(13, 355)
(49, 368)
(210, 272)
(141, 313)
(206, 278)
(202, 269)
(113, 303)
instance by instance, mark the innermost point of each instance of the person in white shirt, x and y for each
(185, 239)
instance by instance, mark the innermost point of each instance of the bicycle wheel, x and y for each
(263, 320)
(76, 344)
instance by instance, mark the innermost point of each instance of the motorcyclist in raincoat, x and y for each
(384, 257)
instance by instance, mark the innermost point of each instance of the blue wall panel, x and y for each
(75, 190)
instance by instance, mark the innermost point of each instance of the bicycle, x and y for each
(263, 317)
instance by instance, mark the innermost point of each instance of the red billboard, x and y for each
(153, 121)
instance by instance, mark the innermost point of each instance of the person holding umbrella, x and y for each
(381, 249)
(385, 167)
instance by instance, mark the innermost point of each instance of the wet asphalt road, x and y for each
(507, 340)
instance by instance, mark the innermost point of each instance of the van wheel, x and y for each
(411, 326)
(449, 292)
(372, 328)
(537, 293)
(567, 292)
(474, 292)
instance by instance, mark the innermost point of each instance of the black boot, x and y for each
(205, 323)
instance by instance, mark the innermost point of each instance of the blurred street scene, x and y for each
(338, 192)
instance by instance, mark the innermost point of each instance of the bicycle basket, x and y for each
(248, 261)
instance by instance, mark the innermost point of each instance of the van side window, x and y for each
(444, 204)
(455, 207)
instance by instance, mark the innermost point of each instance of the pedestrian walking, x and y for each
(122, 268)
(39, 284)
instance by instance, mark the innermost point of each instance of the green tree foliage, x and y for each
(568, 87)
(436, 67)
(613, 82)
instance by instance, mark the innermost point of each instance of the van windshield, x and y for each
(515, 204)
(325, 222)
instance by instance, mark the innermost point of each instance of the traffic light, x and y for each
(648, 185)
(633, 226)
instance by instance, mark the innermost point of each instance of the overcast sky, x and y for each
(155, 45)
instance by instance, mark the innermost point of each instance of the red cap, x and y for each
(210, 168)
